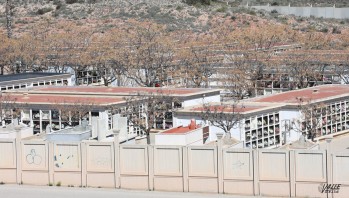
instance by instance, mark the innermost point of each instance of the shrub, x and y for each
(71, 1)
(179, 8)
(198, 2)
(274, 11)
(324, 30)
(336, 30)
(233, 18)
(300, 19)
(222, 9)
(42, 11)
(56, 14)
(59, 183)
(57, 2)
(251, 12)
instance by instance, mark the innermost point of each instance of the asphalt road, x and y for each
(24, 191)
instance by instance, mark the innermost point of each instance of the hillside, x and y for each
(175, 15)
(295, 3)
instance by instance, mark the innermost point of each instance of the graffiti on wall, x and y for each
(33, 158)
(238, 165)
(66, 157)
(59, 160)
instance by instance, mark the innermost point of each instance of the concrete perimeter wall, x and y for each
(209, 169)
(325, 12)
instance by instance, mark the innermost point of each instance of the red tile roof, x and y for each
(309, 94)
(178, 130)
(55, 99)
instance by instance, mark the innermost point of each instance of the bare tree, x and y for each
(246, 59)
(104, 54)
(8, 107)
(71, 112)
(303, 69)
(5, 53)
(26, 54)
(341, 68)
(241, 74)
(148, 56)
(309, 124)
(198, 65)
(225, 116)
(144, 109)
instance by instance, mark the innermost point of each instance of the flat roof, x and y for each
(25, 76)
(227, 109)
(115, 91)
(312, 94)
(70, 100)
(178, 130)
(243, 108)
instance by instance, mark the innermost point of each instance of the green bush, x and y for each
(179, 8)
(336, 30)
(71, 1)
(251, 12)
(222, 9)
(198, 2)
(324, 30)
(59, 183)
(42, 11)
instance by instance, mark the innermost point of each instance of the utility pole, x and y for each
(9, 14)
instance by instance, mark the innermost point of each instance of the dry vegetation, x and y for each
(153, 43)
(299, 3)
(198, 17)
(164, 41)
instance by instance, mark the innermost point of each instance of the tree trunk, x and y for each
(148, 137)
(9, 18)
(119, 80)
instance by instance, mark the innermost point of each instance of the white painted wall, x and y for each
(184, 120)
(201, 101)
(193, 137)
(292, 115)
(162, 139)
(71, 80)
(11, 133)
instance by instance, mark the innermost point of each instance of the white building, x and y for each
(38, 103)
(36, 79)
(275, 120)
